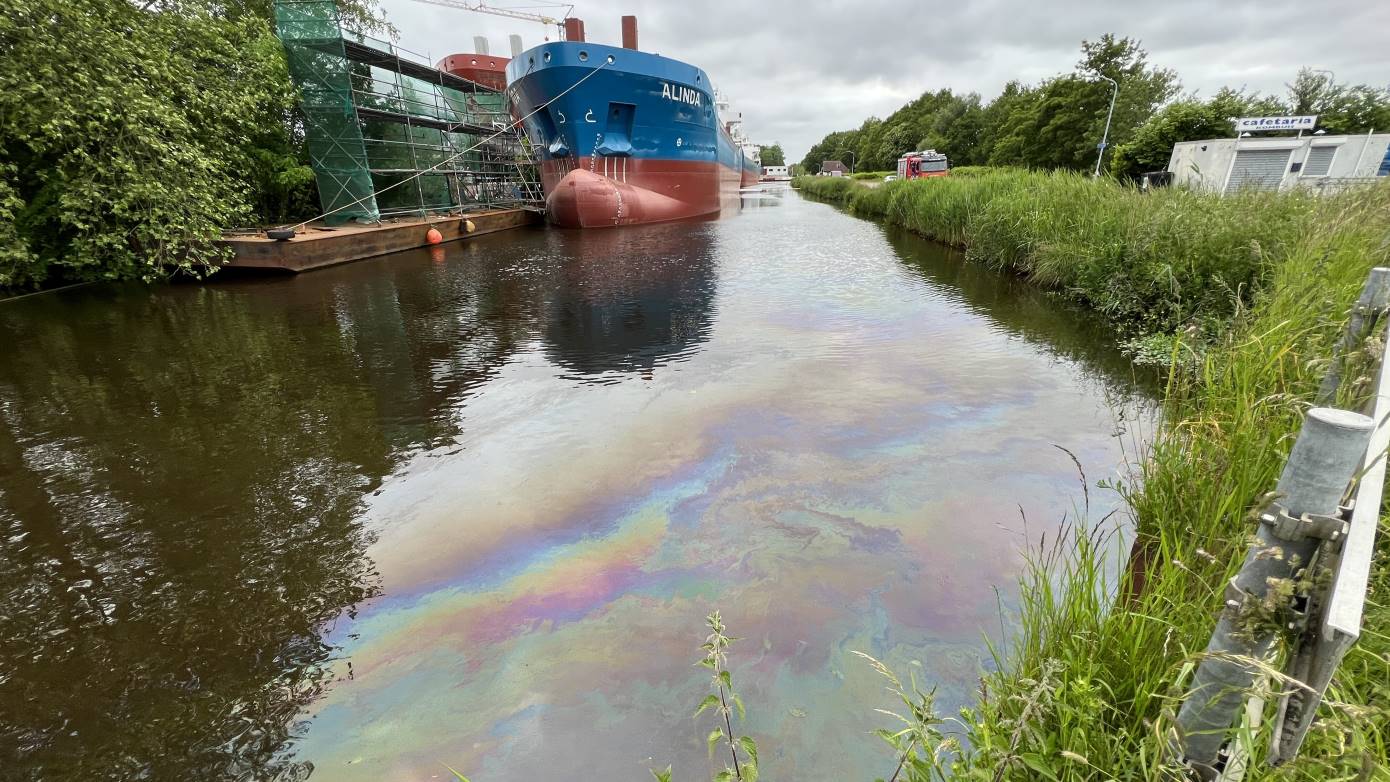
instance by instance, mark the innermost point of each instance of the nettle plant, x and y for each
(723, 701)
(923, 751)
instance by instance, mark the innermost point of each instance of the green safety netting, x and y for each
(389, 134)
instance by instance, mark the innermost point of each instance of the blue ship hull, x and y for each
(625, 136)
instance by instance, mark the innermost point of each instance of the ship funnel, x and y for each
(574, 29)
(629, 32)
(480, 44)
(516, 45)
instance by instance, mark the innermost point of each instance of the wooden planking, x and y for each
(316, 246)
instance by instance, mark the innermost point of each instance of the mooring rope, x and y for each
(9, 299)
(418, 174)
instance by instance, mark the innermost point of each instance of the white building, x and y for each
(776, 172)
(1322, 162)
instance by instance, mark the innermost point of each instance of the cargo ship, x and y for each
(480, 66)
(626, 136)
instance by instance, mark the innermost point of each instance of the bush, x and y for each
(130, 164)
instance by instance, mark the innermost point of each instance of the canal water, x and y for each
(470, 507)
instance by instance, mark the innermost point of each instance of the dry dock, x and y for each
(317, 246)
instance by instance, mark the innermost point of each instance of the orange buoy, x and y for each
(434, 236)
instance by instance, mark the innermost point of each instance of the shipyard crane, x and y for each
(512, 13)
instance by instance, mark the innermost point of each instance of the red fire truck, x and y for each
(915, 165)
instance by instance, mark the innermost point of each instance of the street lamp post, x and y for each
(1105, 139)
(851, 162)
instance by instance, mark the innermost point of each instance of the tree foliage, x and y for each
(132, 133)
(1059, 123)
(1340, 109)
(1056, 124)
(1186, 119)
(773, 155)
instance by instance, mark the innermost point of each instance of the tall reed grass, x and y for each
(1089, 689)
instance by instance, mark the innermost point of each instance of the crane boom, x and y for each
(484, 8)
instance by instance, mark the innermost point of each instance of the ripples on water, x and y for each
(470, 507)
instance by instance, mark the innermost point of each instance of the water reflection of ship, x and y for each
(129, 532)
(631, 301)
(763, 195)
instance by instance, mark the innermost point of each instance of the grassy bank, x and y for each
(1153, 263)
(1090, 689)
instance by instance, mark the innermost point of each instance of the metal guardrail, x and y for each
(1320, 650)
(1308, 526)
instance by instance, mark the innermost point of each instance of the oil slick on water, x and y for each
(552, 455)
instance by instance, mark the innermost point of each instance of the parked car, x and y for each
(890, 178)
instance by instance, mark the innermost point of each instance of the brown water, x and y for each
(471, 508)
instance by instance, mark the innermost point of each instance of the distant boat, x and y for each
(627, 136)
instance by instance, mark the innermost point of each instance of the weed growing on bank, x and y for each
(922, 749)
(724, 701)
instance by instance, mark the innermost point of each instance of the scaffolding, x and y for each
(391, 135)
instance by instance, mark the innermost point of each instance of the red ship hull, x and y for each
(484, 69)
(627, 191)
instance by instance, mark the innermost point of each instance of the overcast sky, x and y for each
(799, 69)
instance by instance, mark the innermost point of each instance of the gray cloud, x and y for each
(799, 69)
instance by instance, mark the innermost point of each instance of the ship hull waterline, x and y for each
(636, 191)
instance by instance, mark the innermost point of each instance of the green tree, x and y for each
(1007, 121)
(956, 130)
(1358, 109)
(903, 129)
(773, 155)
(1188, 119)
(1063, 128)
(1057, 124)
(835, 146)
(899, 137)
(1142, 89)
(1308, 90)
(867, 141)
(130, 163)
(1340, 108)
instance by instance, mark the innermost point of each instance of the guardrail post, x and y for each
(1329, 448)
(1374, 299)
(1334, 618)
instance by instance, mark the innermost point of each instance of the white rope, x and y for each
(452, 158)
